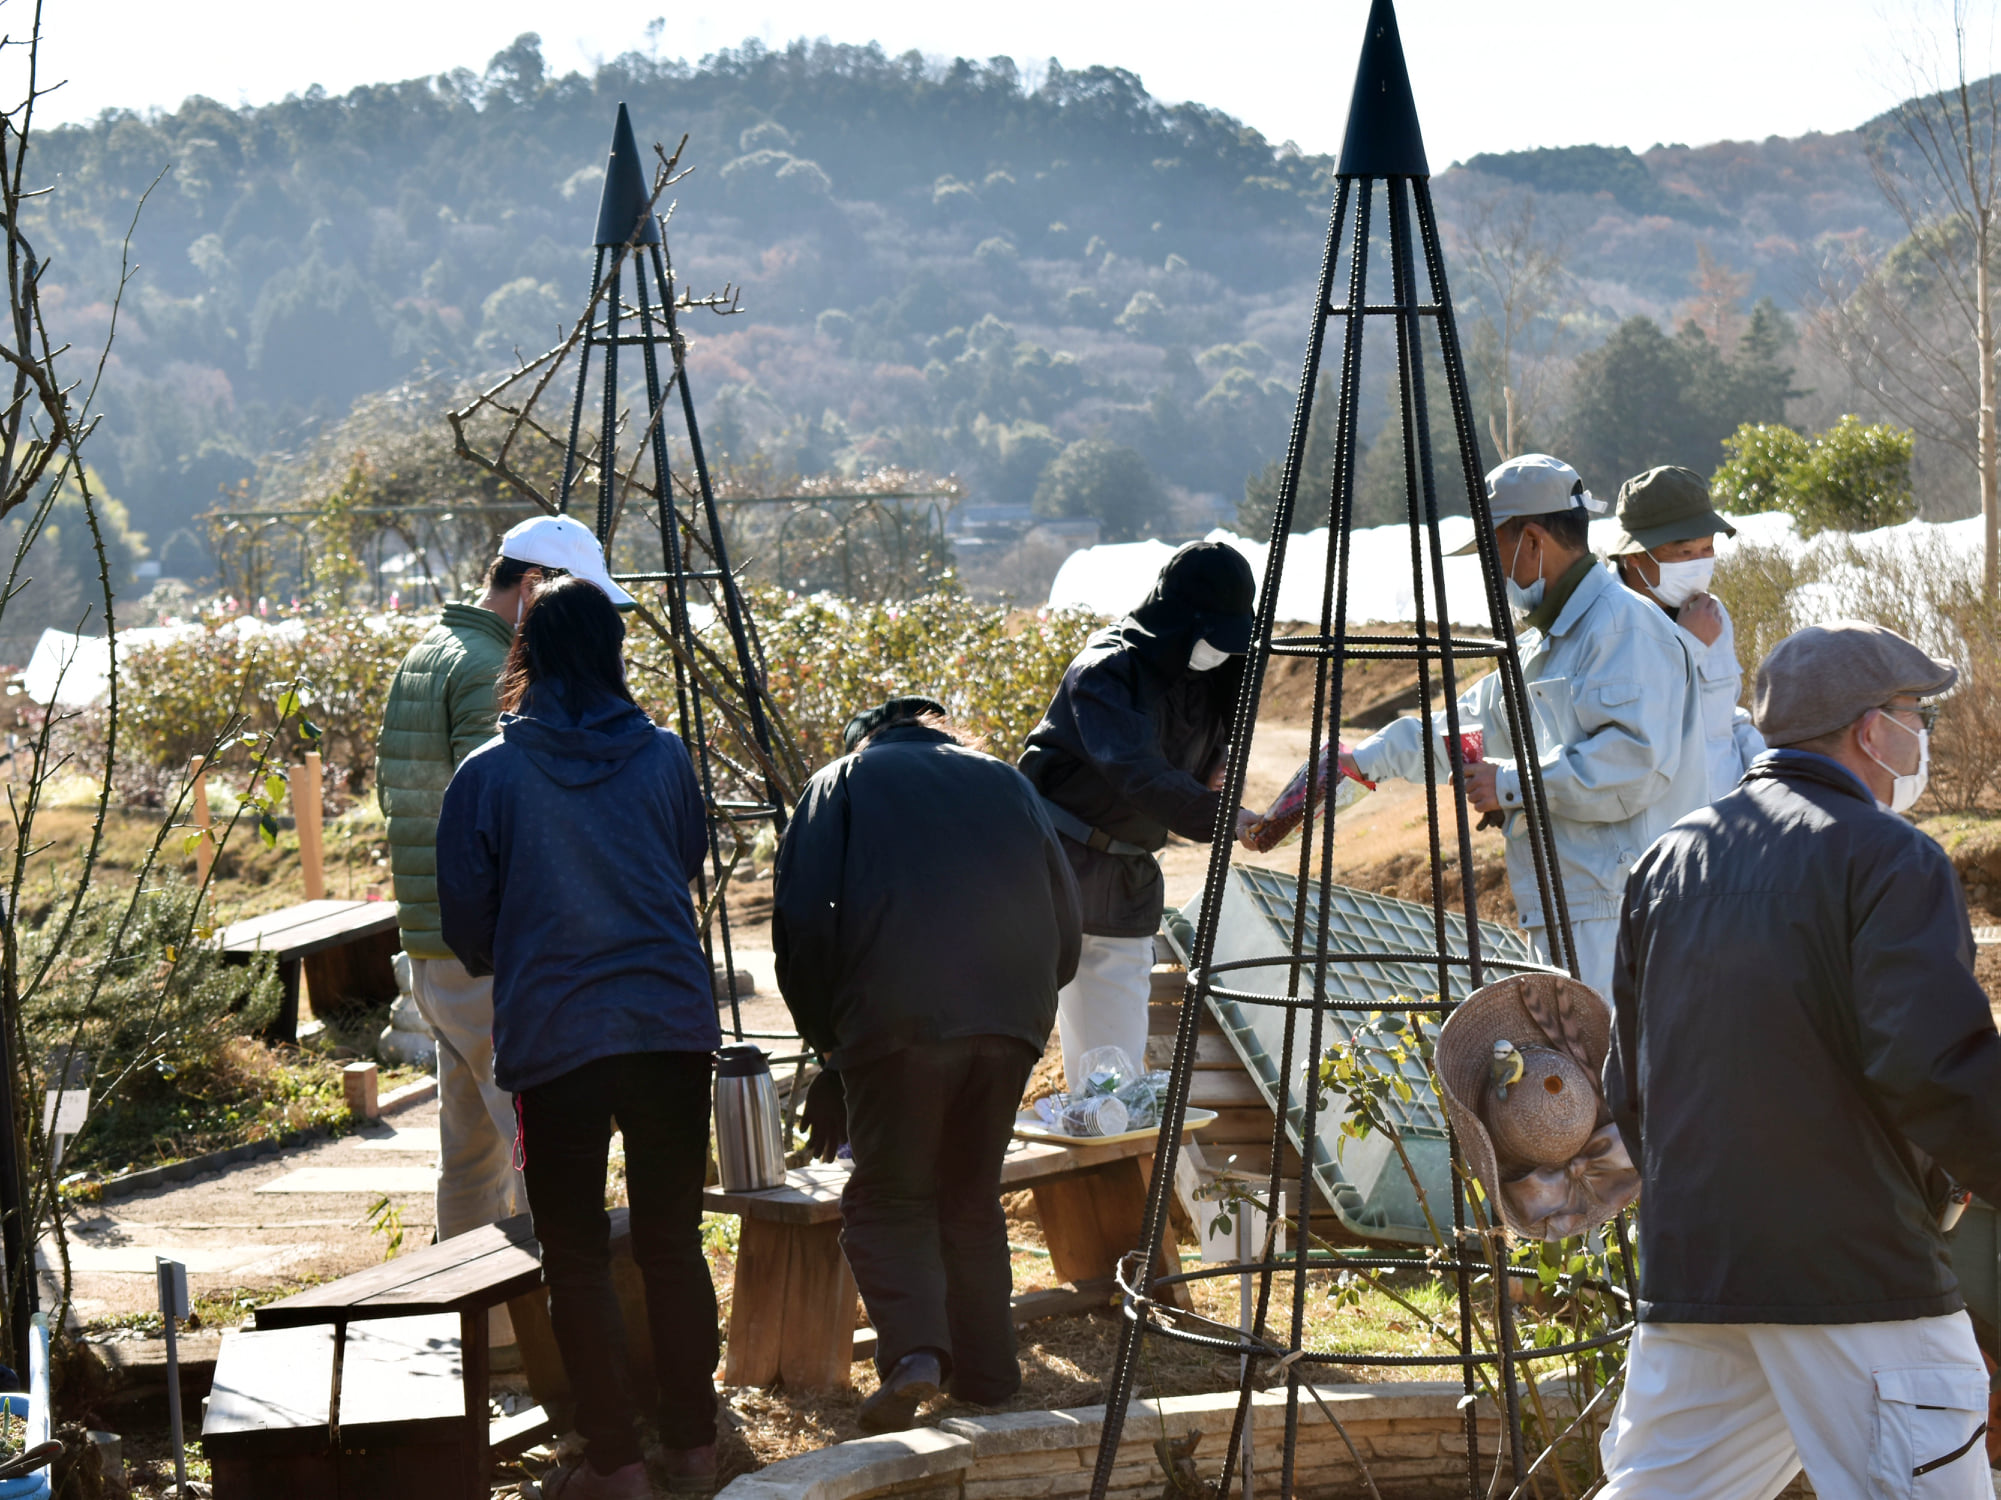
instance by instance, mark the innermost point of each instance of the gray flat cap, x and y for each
(1825, 677)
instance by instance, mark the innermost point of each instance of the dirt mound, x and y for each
(1373, 690)
(1408, 876)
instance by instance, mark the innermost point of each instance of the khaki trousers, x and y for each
(477, 1182)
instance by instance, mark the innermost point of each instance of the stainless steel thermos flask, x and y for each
(750, 1150)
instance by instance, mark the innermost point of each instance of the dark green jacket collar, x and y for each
(1557, 594)
(473, 617)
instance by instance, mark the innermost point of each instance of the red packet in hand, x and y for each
(1289, 809)
(1473, 747)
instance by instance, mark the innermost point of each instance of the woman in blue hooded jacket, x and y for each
(565, 849)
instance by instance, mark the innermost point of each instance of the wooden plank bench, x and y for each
(792, 1314)
(373, 1407)
(461, 1277)
(344, 947)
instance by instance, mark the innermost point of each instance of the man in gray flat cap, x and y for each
(1803, 1067)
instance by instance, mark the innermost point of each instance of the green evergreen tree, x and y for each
(1642, 399)
(1316, 475)
(1761, 369)
(1105, 481)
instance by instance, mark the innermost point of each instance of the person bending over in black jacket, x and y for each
(1131, 750)
(1801, 1053)
(923, 919)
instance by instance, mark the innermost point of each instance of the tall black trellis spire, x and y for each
(695, 552)
(1382, 163)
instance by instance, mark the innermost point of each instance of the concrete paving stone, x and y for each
(138, 1260)
(281, 1238)
(422, 1138)
(356, 1180)
(280, 1259)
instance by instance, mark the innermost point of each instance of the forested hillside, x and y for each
(945, 266)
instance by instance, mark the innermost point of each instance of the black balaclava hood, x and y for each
(1206, 592)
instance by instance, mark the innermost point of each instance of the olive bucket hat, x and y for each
(1667, 504)
(1518, 1064)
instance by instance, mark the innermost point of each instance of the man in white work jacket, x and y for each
(1617, 715)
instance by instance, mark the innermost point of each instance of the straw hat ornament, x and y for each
(1518, 1064)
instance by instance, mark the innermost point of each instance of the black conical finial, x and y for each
(1383, 138)
(625, 196)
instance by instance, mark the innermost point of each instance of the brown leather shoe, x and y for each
(577, 1480)
(689, 1471)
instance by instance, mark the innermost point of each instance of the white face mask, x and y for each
(1681, 581)
(1205, 657)
(1905, 790)
(1524, 598)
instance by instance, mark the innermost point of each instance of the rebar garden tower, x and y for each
(1382, 169)
(719, 687)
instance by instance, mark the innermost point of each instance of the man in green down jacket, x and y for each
(441, 708)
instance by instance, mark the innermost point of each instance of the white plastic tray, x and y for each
(1029, 1127)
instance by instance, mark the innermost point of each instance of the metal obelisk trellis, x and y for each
(694, 552)
(1382, 161)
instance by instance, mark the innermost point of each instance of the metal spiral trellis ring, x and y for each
(1382, 163)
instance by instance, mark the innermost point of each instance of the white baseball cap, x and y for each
(564, 542)
(1533, 484)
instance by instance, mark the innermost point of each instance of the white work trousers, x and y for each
(477, 1182)
(1597, 945)
(1105, 1005)
(1731, 1411)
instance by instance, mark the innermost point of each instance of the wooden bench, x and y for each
(792, 1313)
(375, 1407)
(458, 1278)
(346, 949)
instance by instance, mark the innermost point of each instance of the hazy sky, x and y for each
(1489, 74)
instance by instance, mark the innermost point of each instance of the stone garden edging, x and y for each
(1411, 1434)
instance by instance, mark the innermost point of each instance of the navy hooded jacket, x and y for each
(565, 850)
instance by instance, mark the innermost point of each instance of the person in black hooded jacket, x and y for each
(1131, 750)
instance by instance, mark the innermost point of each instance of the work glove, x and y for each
(825, 1116)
